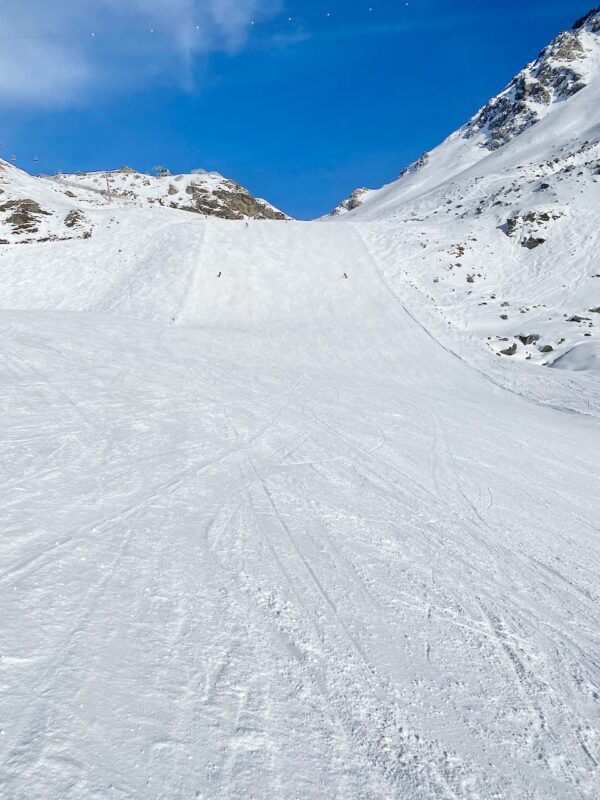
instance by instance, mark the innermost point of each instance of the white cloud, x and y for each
(63, 56)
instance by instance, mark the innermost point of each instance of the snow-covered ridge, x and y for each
(40, 209)
(207, 193)
(559, 72)
(350, 203)
(589, 21)
(567, 66)
(496, 228)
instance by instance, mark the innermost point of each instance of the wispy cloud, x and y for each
(401, 20)
(62, 57)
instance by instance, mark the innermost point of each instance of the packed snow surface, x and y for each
(291, 547)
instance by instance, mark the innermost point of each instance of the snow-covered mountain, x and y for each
(497, 228)
(54, 208)
(207, 193)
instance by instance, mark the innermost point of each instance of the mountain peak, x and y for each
(591, 21)
(556, 74)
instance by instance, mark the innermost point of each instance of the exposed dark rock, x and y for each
(532, 242)
(526, 340)
(421, 162)
(74, 218)
(234, 203)
(549, 78)
(565, 47)
(591, 21)
(25, 215)
(354, 201)
(532, 90)
(510, 351)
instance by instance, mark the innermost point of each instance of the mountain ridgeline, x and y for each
(495, 230)
(566, 67)
(53, 208)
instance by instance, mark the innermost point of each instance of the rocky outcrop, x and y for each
(230, 202)
(529, 225)
(532, 242)
(590, 21)
(417, 165)
(350, 203)
(552, 77)
(24, 216)
(531, 338)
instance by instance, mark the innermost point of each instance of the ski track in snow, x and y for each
(292, 548)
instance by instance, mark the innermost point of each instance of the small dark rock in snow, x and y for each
(531, 339)
(533, 242)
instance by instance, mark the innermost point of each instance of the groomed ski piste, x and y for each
(280, 521)
(274, 540)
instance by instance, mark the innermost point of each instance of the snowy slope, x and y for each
(273, 528)
(497, 228)
(33, 211)
(294, 548)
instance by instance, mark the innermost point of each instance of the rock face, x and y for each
(230, 202)
(555, 75)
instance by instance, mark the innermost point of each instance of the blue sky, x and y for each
(300, 110)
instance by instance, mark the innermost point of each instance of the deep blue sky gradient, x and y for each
(310, 109)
